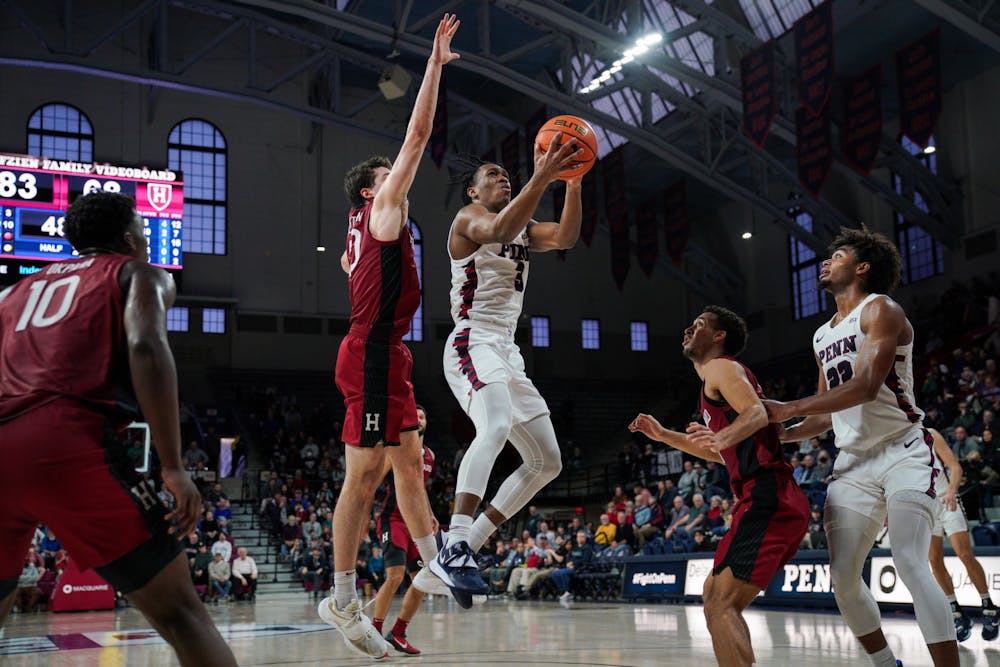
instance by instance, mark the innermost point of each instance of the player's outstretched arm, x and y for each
(728, 378)
(652, 429)
(480, 225)
(882, 320)
(811, 426)
(941, 448)
(385, 221)
(563, 235)
(150, 293)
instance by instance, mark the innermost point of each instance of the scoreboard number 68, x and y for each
(93, 185)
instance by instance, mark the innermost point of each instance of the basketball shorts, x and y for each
(769, 523)
(398, 548)
(477, 355)
(374, 378)
(63, 466)
(949, 522)
(864, 480)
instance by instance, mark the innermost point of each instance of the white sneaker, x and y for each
(478, 599)
(426, 581)
(566, 597)
(357, 629)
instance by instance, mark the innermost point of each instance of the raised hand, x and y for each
(549, 164)
(442, 53)
(647, 425)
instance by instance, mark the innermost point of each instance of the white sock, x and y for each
(952, 599)
(481, 530)
(344, 588)
(458, 530)
(883, 658)
(427, 546)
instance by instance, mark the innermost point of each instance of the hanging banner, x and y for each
(617, 214)
(647, 236)
(531, 128)
(590, 200)
(510, 155)
(439, 129)
(760, 98)
(813, 149)
(861, 133)
(558, 201)
(675, 221)
(918, 79)
(814, 57)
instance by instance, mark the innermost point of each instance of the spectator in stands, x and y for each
(629, 462)
(687, 485)
(612, 513)
(823, 468)
(619, 498)
(987, 423)
(244, 575)
(209, 527)
(311, 528)
(605, 533)
(35, 558)
(500, 575)
(535, 556)
(654, 523)
(698, 515)
(313, 569)
(533, 519)
(220, 576)
(963, 443)
(624, 531)
(579, 557)
(223, 547)
(215, 494)
(195, 458)
(797, 468)
(966, 418)
(50, 547)
(716, 480)
(376, 570)
(291, 532)
(679, 517)
(808, 475)
(543, 531)
(713, 518)
(28, 594)
(225, 528)
(223, 510)
(199, 565)
(815, 537)
(977, 478)
(576, 524)
(988, 449)
(701, 544)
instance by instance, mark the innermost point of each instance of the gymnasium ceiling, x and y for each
(676, 106)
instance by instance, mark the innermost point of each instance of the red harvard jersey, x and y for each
(385, 290)
(759, 453)
(390, 509)
(61, 335)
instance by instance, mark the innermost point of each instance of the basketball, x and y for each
(573, 129)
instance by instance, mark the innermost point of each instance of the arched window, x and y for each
(416, 334)
(807, 298)
(62, 132)
(923, 256)
(198, 150)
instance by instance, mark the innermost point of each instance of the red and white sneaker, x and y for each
(400, 644)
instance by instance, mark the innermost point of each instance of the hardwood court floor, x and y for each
(284, 630)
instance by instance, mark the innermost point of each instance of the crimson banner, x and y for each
(589, 199)
(647, 236)
(439, 129)
(760, 98)
(510, 155)
(617, 214)
(861, 133)
(675, 221)
(918, 79)
(814, 57)
(813, 149)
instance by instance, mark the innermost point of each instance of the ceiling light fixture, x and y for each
(640, 47)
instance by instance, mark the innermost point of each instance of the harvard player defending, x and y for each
(373, 364)
(771, 512)
(951, 521)
(75, 339)
(886, 464)
(489, 244)
(400, 555)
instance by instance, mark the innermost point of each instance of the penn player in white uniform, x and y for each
(489, 246)
(951, 521)
(886, 466)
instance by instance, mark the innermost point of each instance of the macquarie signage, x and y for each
(887, 586)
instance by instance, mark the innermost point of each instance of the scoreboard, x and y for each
(35, 193)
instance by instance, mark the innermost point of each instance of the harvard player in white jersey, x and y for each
(489, 246)
(886, 466)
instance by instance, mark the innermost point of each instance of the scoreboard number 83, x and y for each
(22, 185)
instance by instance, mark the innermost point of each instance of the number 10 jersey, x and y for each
(894, 409)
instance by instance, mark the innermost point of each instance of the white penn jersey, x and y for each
(894, 409)
(488, 285)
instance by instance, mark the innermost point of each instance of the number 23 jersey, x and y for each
(488, 285)
(62, 335)
(894, 409)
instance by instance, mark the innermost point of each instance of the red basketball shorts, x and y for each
(62, 465)
(374, 378)
(768, 526)
(398, 548)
